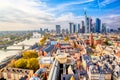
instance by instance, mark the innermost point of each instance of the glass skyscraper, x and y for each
(98, 25)
(58, 29)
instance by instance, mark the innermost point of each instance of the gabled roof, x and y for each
(49, 48)
(39, 47)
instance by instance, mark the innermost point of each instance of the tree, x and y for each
(21, 63)
(75, 44)
(30, 54)
(12, 63)
(33, 64)
(43, 40)
(106, 42)
(66, 38)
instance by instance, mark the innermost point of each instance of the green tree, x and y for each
(21, 63)
(106, 42)
(30, 54)
(33, 64)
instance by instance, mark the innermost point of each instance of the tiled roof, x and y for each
(68, 76)
(39, 71)
(49, 48)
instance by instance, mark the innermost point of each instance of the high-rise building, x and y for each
(85, 22)
(74, 28)
(94, 27)
(63, 31)
(41, 30)
(82, 27)
(98, 25)
(103, 28)
(90, 26)
(46, 30)
(58, 29)
(67, 31)
(79, 30)
(71, 27)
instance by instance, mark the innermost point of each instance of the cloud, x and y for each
(113, 21)
(33, 14)
(25, 13)
(105, 2)
(63, 6)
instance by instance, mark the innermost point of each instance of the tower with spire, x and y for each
(85, 21)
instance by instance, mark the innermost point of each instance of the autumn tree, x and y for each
(12, 63)
(66, 38)
(21, 63)
(30, 54)
(75, 44)
(33, 64)
(43, 40)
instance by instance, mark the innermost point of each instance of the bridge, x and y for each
(16, 47)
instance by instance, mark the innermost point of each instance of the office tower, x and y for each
(71, 27)
(40, 29)
(74, 28)
(79, 30)
(90, 26)
(63, 31)
(82, 27)
(94, 27)
(98, 25)
(67, 31)
(103, 28)
(58, 29)
(45, 31)
(85, 22)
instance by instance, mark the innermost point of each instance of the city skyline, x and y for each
(34, 14)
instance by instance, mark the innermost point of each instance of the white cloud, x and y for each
(63, 6)
(32, 14)
(106, 2)
(113, 21)
(25, 13)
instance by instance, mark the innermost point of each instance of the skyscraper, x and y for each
(98, 25)
(90, 25)
(71, 27)
(41, 30)
(74, 28)
(78, 28)
(103, 28)
(58, 29)
(82, 27)
(85, 22)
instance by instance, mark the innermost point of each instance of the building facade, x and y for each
(98, 25)
(58, 29)
(70, 28)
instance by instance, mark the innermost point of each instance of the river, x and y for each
(34, 39)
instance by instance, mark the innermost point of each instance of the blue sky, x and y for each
(33, 14)
(93, 7)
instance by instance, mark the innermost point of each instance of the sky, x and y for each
(35, 14)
